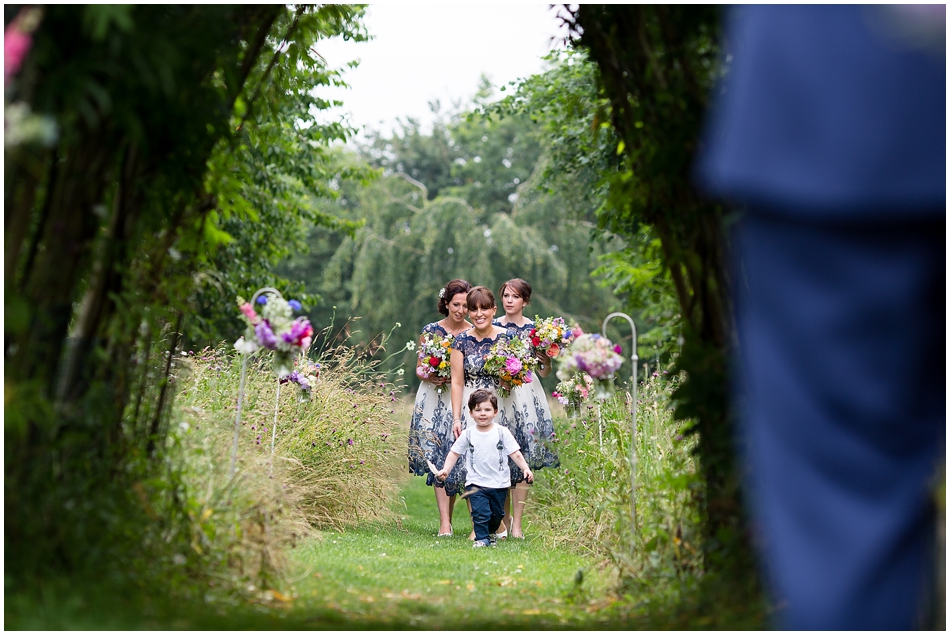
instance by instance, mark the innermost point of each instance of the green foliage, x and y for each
(657, 65)
(334, 450)
(268, 177)
(178, 130)
(412, 243)
(585, 504)
(582, 159)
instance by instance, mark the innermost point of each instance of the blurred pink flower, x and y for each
(16, 45)
(250, 313)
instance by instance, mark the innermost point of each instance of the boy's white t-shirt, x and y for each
(486, 455)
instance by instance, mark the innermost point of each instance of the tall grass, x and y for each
(334, 464)
(585, 504)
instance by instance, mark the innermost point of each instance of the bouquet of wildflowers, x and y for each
(550, 335)
(598, 357)
(434, 355)
(276, 330)
(305, 378)
(573, 391)
(511, 361)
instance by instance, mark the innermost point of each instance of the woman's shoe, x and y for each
(445, 535)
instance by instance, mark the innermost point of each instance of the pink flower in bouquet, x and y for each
(554, 350)
(15, 47)
(617, 349)
(250, 313)
(513, 365)
(422, 372)
(300, 333)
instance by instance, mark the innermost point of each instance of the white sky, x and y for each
(423, 52)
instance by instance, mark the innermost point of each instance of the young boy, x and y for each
(487, 447)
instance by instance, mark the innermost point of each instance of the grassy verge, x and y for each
(400, 575)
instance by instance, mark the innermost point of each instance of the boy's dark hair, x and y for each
(481, 396)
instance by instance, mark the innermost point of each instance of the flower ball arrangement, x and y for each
(305, 376)
(598, 357)
(275, 329)
(574, 391)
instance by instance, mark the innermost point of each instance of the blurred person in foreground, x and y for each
(830, 131)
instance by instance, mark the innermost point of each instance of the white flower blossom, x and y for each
(245, 346)
(410, 345)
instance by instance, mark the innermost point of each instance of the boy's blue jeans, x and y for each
(488, 509)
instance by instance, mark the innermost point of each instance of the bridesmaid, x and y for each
(533, 426)
(468, 364)
(430, 432)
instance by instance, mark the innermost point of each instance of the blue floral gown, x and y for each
(430, 431)
(475, 376)
(532, 424)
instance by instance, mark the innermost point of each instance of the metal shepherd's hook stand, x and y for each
(240, 403)
(633, 414)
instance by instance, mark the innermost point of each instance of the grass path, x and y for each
(401, 575)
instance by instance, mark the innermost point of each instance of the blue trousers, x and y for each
(841, 391)
(488, 509)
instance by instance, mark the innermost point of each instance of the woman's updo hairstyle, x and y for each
(480, 298)
(520, 287)
(449, 291)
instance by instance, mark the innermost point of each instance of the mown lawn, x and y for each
(401, 575)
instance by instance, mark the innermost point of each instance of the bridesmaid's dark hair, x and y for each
(480, 298)
(520, 287)
(481, 396)
(449, 291)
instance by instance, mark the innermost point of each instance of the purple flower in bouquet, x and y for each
(294, 304)
(300, 333)
(294, 377)
(265, 335)
(262, 300)
(513, 365)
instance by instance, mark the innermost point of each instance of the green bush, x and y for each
(332, 463)
(585, 503)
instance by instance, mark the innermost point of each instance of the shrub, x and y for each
(585, 503)
(333, 463)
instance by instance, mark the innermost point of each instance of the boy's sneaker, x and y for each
(479, 543)
(492, 540)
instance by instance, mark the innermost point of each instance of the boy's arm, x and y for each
(450, 461)
(518, 458)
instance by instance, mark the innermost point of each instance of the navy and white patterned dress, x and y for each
(475, 352)
(533, 425)
(430, 431)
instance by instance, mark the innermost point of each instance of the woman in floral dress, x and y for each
(430, 432)
(468, 364)
(533, 426)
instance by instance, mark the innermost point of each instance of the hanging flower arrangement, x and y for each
(598, 357)
(275, 329)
